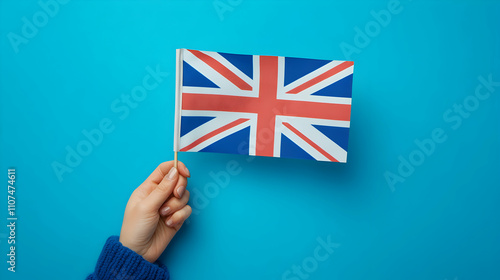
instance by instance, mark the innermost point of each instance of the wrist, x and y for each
(129, 245)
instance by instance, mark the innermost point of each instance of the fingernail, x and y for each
(181, 190)
(187, 171)
(165, 211)
(169, 222)
(171, 174)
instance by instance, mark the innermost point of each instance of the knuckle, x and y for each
(172, 203)
(166, 203)
(182, 179)
(189, 210)
(164, 186)
(175, 219)
(163, 165)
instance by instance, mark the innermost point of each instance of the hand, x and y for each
(156, 210)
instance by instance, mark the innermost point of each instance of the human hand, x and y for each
(156, 210)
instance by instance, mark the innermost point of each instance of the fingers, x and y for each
(157, 176)
(164, 189)
(180, 188)
(179, 217)
(183, 169)
(174, 204)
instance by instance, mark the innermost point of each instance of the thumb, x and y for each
(164, 189)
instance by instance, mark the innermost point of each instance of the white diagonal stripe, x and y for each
(208, 72)
(312, 75)
(326, 82)
(229, 66)
(304, 126)
(213, 139)
(221, 119)
(304, 145)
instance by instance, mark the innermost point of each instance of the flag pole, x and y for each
(178, 96)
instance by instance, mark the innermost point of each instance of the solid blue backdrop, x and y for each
(418, 198)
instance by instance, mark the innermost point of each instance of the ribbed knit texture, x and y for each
(119, 262)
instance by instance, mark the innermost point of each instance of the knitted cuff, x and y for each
(119, 262)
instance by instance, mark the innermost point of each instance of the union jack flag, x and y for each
(263, 105)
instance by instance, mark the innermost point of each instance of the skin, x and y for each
(156, 210)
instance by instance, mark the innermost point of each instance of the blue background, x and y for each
(440, 223)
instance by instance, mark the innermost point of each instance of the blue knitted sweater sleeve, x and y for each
(119, 262)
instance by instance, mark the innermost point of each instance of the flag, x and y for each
(263, 105)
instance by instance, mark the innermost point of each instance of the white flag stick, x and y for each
(178, 96)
